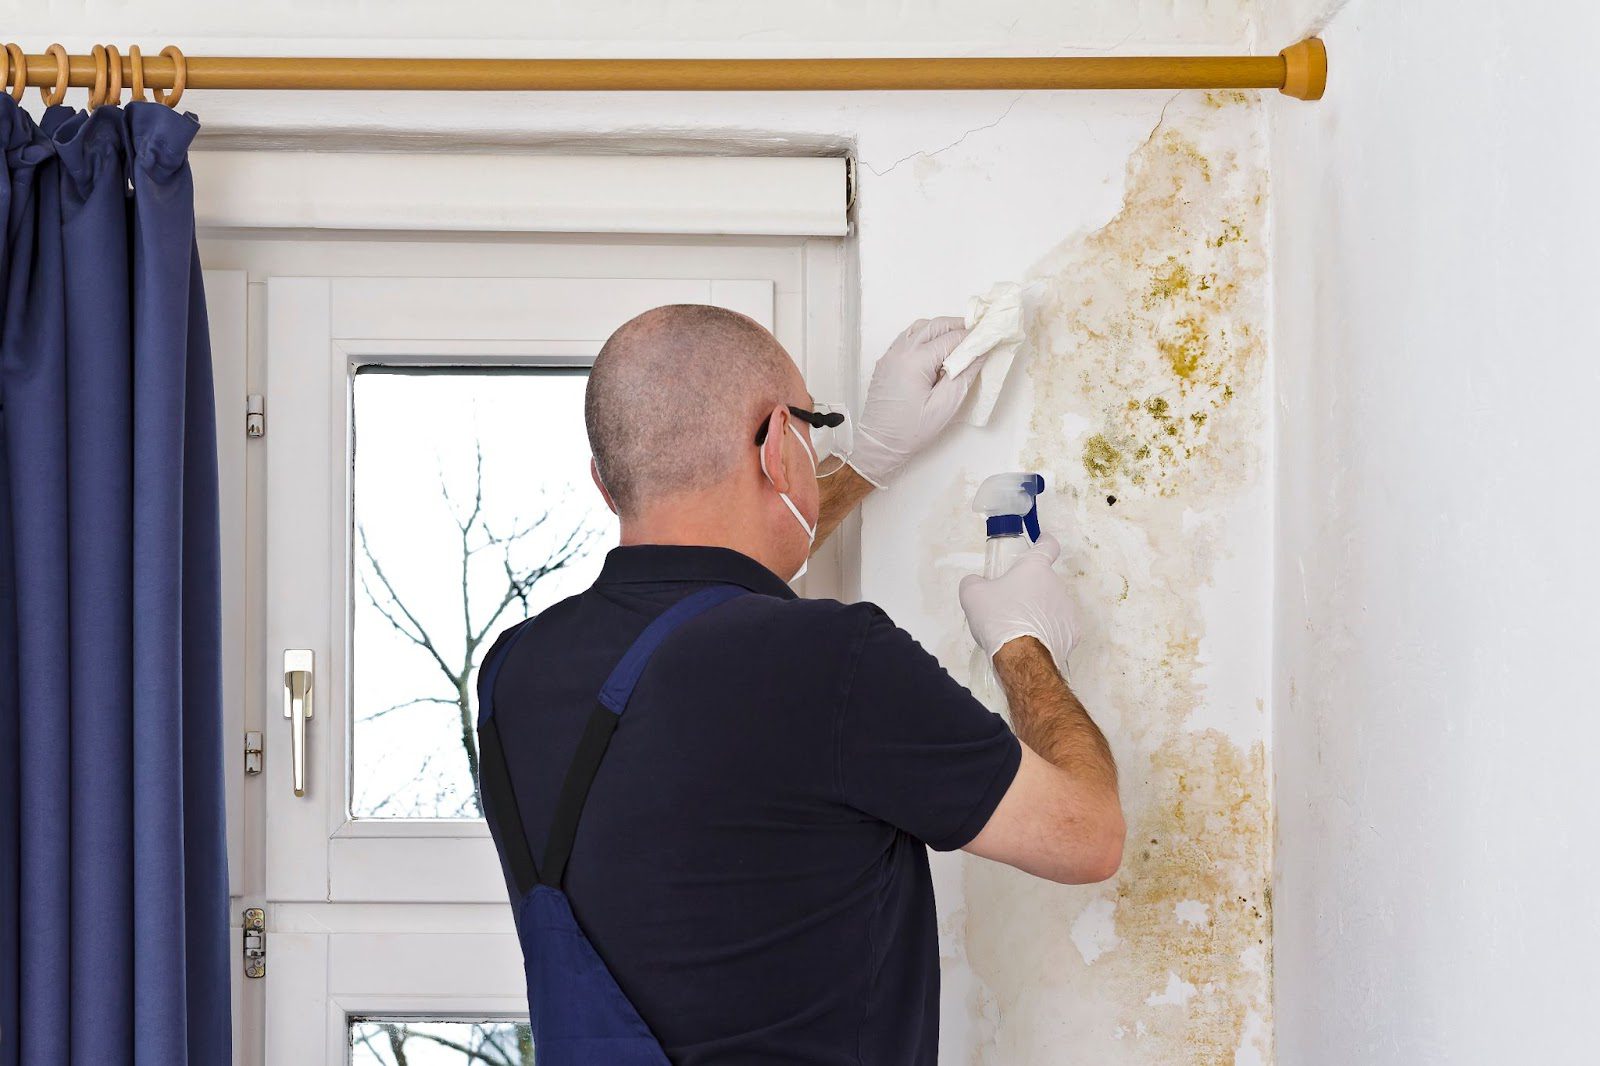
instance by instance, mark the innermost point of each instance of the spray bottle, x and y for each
(1009, 504)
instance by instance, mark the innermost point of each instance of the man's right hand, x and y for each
(1028, 600)
(1061, 818)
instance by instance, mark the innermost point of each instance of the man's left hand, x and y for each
(908, 403)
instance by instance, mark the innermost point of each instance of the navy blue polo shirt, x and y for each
(750, 863)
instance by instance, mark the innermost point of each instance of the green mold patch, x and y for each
(1171, 281)
(1154, 320)
(1147, 375)
(1101, 458)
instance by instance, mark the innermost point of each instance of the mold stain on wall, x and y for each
(1148, 420)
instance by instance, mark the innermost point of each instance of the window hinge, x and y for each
(255, 417)
(252, 752)
(255, 942)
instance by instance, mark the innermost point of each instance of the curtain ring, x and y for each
(97, 95)
(114, 64)
(19, 66)
(136, 64)
(58, 92)
(180, 74)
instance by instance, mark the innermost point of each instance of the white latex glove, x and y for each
(908, 404)
(1028, 600)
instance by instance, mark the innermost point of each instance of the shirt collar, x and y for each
(634, 563)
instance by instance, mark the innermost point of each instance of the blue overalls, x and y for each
(579, 1015)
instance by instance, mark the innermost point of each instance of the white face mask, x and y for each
(810, 530)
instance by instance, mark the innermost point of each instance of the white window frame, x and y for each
(321, 331)
(243, 196)
(508, 193)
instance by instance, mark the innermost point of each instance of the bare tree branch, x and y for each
(421, 772)
(473, 1054)
(397, 1042)
(365, 1041)
(420, 635)
(375, 715)
(477, 535)
(519, 585)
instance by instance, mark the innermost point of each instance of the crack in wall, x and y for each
(939, 151)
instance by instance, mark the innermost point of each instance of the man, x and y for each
(751, 864)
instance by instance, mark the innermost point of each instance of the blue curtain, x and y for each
(114, 943)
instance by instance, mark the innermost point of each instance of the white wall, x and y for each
(1144, 407)
(1100, 194)
(642, 27)
(1435, 458)
(1438, 456)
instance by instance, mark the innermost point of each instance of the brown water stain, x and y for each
(1152, 337)
(1202, 835)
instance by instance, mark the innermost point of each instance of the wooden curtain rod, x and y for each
(1299, 71)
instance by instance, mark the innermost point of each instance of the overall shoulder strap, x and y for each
(494, 794)
(497, 794)
(612, 701)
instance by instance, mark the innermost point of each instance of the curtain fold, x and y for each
(113, 873)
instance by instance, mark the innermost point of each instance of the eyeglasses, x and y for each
(832, 436)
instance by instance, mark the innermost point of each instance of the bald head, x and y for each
(675, 397)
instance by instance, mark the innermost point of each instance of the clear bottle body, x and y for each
(999, 553)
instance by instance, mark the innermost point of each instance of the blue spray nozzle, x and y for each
(1010, 502)
(1031, 520)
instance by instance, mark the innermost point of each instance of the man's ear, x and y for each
(772, 463)
(594, 472)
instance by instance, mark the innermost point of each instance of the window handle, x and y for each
(297, 668)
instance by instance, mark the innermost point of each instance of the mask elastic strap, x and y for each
(811, 530)
(811, 455)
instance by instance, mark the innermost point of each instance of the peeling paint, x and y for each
(1148, 422)
(1178, 993)
(1094, 931)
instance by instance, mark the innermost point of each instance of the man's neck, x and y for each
(711, 520)
(703, 523)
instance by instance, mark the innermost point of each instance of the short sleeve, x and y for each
(915, 748)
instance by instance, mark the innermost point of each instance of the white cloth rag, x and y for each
(998, 325)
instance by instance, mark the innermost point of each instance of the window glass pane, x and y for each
(415, 1042)
(473, 510)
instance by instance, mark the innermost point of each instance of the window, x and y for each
(423, 405)
(473, 510)
(421, 1042)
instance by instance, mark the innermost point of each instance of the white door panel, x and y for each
(424, 868)
(379, 920)
(324, 981)
(226, 300)
(226, 317)
(302, 583)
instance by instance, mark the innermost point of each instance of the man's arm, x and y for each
(1061, 818)
(908, 405)
(839, 494)
(1047, 716)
